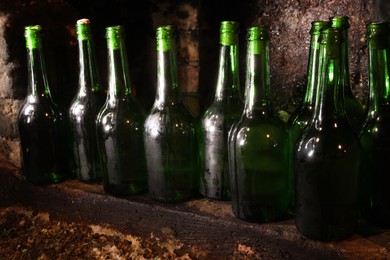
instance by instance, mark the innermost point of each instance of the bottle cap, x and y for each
(229, 31)
(33, 33)
(165, 36)
(114, 35)
(83, 29)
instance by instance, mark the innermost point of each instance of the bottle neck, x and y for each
(330, 97)
(88, 73)
(37, 79)
(257, 79)
(228, 73)
(345, 64)
(312, 72)
(167, 79)
(379, 77)
(118, 73)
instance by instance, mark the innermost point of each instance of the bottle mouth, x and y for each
(377, 29)
(33, 33)
(32, 30)
(340, 22)
(229, 27)
(82, 28)
(317, 26)
(331, 36)
(258, 33)
(165, 32)
(114, 31)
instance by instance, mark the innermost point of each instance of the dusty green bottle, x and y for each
(170, 135)
(375, 136)
(353, 108)
(120, 125)
(85, 107)
(40, 121)
(327, 159)
(219, 116)
(299, 120)
(259, 180)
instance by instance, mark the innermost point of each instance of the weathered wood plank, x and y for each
(201, 224)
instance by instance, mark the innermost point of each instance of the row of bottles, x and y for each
(239, 150)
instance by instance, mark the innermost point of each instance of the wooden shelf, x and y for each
(205, 225)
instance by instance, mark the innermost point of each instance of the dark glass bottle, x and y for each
(328, 155)
(375, 136)
(169, 135)
(299, 120)
(85, 107)
(353, 108)
(120, 125)
(259, 180)
(40, 121)
(218, 118)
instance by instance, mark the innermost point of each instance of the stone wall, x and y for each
(198, 24)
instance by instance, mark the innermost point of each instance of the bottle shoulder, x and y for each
(39, 104)
(39, 111)
(169, 116)
(261, 122)
(377, 123)
(330, 133)
(122, 109)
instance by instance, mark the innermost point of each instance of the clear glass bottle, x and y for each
(259, 180)
(327, 159)
(170, 132)
(120, 125)
(353, 108)
(375, 136)
(40, 121)
(85, 107)
(219, 117)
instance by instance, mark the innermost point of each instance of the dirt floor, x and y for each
(25, 234)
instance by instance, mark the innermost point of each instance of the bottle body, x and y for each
(327, 182)
(375, 136)
(169, 132)
(120, 134)
(84, 109)
(170, 143)
(327, 160)
(219, 117)
(260, 182)
(40, 122)
(119, 126)
(258, 144)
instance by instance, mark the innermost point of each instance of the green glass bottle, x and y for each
(259, 180)
(170, 133)
(299, 120)
(40, 121)
(375, 136)
(219, 117)
(120, 125)
(85, 107)
(353, 108)
(328, 155)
